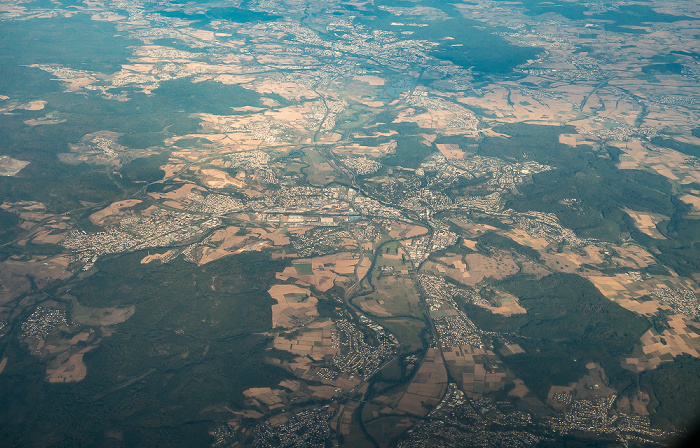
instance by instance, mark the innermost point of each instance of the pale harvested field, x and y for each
(44, 270)
(471, 229)
(158, 257)
(302, 368)
(323, 392)
(295, 306)
(454, 262)
(693, 200)
(567, 139)
(471, 244)
(233, 133)
(680, 339)
(278, 56)
(520, 390)
(10, 167)
(363, 268)
(316, 341)
(475, 267)
(292, 385)
(467, 367)
(438, 119)
(508, 305)
(330, 138)
(177, 194)
(639, 403)
(595, 254)
(560, 390)
(370, 103)
(541, 109)
(349, 243)
(349, 411)
(192, 154)
(625, 289)
(356, 149)
(47, 119)
(428, 139)
(594, 384)
(115, 208)
(375, 135)
(205, 254)
(511, 349)
(70, 370)
(3, 364)
(611, 287)
(326, 270)
(171, 169)
(646, 222)
(265, 395)
(47, 237)
(214, 178)
(34, 216)
(427, 387)
(80, 337)
(564, 262)
(670, 164)
(634, 256)
(33, 105)
(370, 79)
(451, 151)
(276, 236)
(26, 206)
(279, 419)
(569, 261)
(401, 231)
(522, 237)
(228, 243)
(286, 89)
(648, 308)
(107, 17)
(346, 266)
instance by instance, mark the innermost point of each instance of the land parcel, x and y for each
(324, 272)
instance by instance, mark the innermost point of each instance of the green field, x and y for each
(408, 331)
(304, 268)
